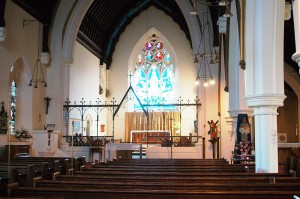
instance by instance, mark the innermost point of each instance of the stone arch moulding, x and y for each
(193, 25)
(71, 29)
(20, 67)
(21, 73)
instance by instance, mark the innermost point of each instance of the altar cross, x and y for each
(130, 76)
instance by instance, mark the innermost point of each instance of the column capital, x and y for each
(296, 57)
(271, 99)
(45, 58)
(229, 120)
(67, 60)
(234, 112)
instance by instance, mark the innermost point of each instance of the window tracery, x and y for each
(153, 78)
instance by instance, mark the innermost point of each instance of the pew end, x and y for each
(11, 187)
(55, 175)
(35, 180)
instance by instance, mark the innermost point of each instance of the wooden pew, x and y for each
(148, 193)
(23, 170)
(64, 163)
(176, 179)
(209, 177)
(162, 162)
(3, 186)
(213, 186)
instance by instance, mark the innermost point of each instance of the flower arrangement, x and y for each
(245, 147)
(23, 133)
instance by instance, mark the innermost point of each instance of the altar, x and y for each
(116, 151)
(157, 152)
(150, 136)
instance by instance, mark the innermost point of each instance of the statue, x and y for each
(244, 129)
(213, 131)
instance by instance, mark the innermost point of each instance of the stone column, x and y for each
(296, 15)
(264, 76)
(2, 21)
(236, 85)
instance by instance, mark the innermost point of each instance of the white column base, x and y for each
(266, 147)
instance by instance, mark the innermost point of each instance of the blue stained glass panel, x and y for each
(153, 81)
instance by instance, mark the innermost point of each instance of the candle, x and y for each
(134, 123)
(158, 123)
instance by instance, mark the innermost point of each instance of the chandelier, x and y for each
(206, 55)
(37, 76)
(221, 3)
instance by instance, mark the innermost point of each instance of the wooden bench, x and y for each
(78, 162)
(213, 186)
(148, 193)
(128, 179)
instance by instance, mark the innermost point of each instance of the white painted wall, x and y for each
(20, 49)
(84, 83)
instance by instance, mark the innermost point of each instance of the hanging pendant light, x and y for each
(196, 60)
(211, 81)
(224, 3)
(211, 60)
(227, 12)
(205, 83)
(37, 78)
(194, 9)
(197, 81)
(217, 58)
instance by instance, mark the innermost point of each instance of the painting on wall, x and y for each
(76, 126)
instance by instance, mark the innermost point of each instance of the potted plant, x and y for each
(23, 134)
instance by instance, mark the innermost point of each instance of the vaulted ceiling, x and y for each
(105, 21)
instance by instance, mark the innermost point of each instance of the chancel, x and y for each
(113, 108)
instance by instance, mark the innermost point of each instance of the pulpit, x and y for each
(45, 143)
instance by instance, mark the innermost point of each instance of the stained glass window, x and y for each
(13, 103)
(153, 78)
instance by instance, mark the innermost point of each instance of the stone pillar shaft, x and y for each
(296, 16)
(264, 76)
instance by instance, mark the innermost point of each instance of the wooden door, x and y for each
(287, 121)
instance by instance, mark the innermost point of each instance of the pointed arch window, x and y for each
(153, 78)
(13, 103)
